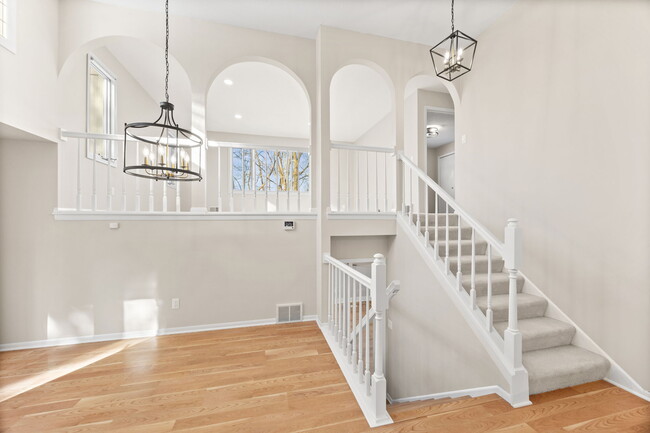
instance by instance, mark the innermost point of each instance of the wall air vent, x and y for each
(289, 313)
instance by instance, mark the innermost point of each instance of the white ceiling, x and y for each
(445, 123)
(359, 99)
(423, 21)
(269, 100)
(146, 64)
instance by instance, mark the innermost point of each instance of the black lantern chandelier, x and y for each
(162, 150)
(453, 56)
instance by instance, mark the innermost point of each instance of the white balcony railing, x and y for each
(362, 179)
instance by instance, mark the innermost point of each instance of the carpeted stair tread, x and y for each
(500, 283)
(465, 245)
(541, 332)
(466, 263)
(527, 306)
(561, 367)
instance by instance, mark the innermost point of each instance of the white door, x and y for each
(446, 166)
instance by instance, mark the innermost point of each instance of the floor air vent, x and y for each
(289, 313)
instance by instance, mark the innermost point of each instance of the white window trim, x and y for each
(93, 61)
(9, 42)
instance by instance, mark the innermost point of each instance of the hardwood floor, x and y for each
(280, 378)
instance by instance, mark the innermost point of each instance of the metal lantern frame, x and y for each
(168, 151)
(448, 49)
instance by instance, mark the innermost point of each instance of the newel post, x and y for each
(512, 336)
(379, 303)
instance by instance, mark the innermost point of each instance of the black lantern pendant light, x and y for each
(162, 150)
(453, 56)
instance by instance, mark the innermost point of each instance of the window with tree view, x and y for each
(270, 170)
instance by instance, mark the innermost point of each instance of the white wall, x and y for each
(69, 279)
(557, 136)
(28, 77)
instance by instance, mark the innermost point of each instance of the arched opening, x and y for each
(102, 85)
(258, 127)
(430, 130)
(362, 133)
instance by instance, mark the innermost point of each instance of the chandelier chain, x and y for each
(452, 16)
(167, 50)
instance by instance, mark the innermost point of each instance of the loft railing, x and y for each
(362, 179)
(427, 207)
(356, 331)
(91, 179)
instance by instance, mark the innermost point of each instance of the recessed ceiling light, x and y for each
(308, 123)
(238, 116)
(228, 82)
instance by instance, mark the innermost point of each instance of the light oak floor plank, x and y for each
(270, 379)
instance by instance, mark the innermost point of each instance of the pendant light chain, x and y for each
(452, 16)
(166, 50)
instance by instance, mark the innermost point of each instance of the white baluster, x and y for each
(358, 186)
(347, 179)
(299, 156)
(403, 187)
(178, 196)
(359, 360)
(340, 307)
(108, 146)
(267, 178)
(335, 306)
(353, 358)
(151, 201)
(254, 178)
(164, 198)
(348, 319)
(488, 312)
(472, 292)
(436, 248)
(338, 182)
(137, 179)
(367, 181)
(512, 336)
(410, 196)
(366, 377)
(288, 175)
(219, 181)
(417, 215)
(278, 156)
(459, 270)
(376, 209)
(386, 182)
(447, 267)
(243, 181)
(426, 215)
(329, 296)
(94, 202)
(79, 198)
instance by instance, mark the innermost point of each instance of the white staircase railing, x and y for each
(356, 332)
(420, 196)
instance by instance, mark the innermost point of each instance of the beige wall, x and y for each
(431, 348)
(28, 77)
(433, 153)
(66, 279)
(562, 145)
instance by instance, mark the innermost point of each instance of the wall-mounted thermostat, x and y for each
(289, 225)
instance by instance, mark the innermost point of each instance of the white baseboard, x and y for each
(472, 392)
(642, 393)
(139, 334)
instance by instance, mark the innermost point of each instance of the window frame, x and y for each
(93, 62)
(8, 41)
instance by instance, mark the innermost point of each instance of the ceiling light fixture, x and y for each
(162, 150)
(432, 131)
(454, 56)
(228, 82)
(238, 116)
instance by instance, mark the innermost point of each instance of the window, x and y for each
(100, 88)
(8, 24)
(270, 170)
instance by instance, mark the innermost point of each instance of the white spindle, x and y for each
(347, 180)
(254, 178)
(339, 177)
(219, 181)
(410, 196)
(358, 186)
(267, 178)
(359, 369)
(94, 203)
(79, 156)
(288, 181)
(108, 147)
(376, 209)
(137, 179)
(340, 308)
(386, 182)
(151, 198)
(353, 359)
(329, 295)
(418, 223)
(178, 196)
(447, 267)
(164, 198)
(122, 150)
(367, 181)
(348, 322)
(366, 377)
(459, 268)
(403, 188)
(488, 312)
(472, 292)
(277, 181)
(299, 156)
(243, 181)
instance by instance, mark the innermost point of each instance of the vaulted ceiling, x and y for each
(422, 21)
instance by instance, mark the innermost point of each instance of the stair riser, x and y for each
(465, 249)
(465, 233)
(498, 287)
(481, 265)
(453, 219)
(523, 312)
